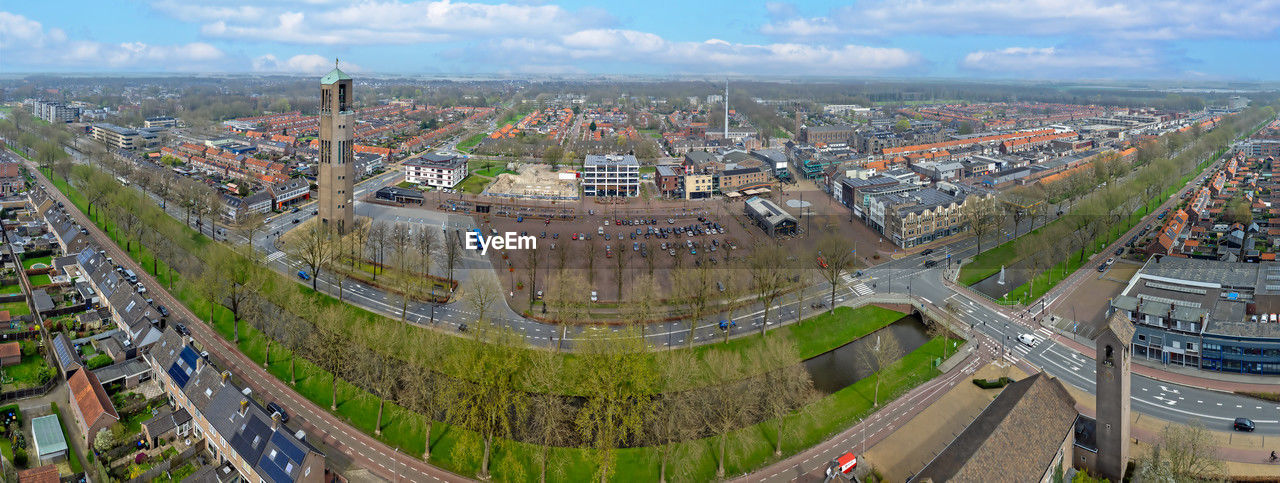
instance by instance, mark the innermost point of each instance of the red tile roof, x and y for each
(87, 393)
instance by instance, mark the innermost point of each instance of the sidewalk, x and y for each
(1224, 382)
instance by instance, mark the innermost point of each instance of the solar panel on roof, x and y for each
(64, 354)
(178, 375)
(288, 447)
(189, 356)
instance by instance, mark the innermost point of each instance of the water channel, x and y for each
(838, 368)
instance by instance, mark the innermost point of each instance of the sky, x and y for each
(1188, 40)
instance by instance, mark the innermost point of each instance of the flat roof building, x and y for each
(435, 169)
(770, 217)
(611, 175)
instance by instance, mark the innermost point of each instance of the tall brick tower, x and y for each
(335, 170)
(1112, 361)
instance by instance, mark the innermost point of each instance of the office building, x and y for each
(611, 175)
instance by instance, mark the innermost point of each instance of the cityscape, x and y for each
(392, 240)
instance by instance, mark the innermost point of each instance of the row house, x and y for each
(240, 434)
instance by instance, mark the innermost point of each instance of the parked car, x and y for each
(272, 407)
(163, 310)
(181, 328)
(594, 296)
(1243, 424)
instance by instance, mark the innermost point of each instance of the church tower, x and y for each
(1112, 362)
(335, 170)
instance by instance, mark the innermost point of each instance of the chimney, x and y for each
(199, 364)
(225, 375)
(244, 406)
(275, 421)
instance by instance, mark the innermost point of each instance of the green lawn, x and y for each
(407, 185)
(821, 333)
(473, 184)
(25, 374)
(40, 280)
(404, 429)
(28, 262)
(470, 143)
(7, 289)
(493, 171)
(16, 308)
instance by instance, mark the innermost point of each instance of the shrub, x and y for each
(992, 384)
(28, 348)
(100, 360)
(20, 457)
(1265, 396)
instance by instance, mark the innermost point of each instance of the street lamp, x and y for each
(433, 302)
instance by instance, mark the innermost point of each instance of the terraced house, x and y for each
(242, 436)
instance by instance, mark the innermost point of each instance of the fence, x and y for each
(29, 392)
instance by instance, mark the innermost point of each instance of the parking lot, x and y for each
(594, 242)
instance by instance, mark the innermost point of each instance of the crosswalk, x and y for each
(275, 256)
(862, 290)
(1018, 350)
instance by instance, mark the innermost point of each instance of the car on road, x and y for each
(930, 263)
(181, 328)
(1243, 424)
(297, 220)
(462, 327)
(273, 408)
(594, 297)
(927, 252)
(302, 274)
(295, 210)
(1119, 251)
(1028, 340)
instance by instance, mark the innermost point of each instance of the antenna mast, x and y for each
(726, 110)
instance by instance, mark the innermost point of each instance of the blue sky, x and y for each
(1006, 39)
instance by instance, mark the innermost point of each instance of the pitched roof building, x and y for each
(90, 404)
(1023, 435)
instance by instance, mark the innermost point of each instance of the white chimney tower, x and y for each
(726, 110)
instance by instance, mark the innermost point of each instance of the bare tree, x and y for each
(620, 266)
(550, 414)
(426, 242)
(677, 417)
(242, 280)
(619, 379)
(487, 396)
(377, 240)
(249, 224)
(378, 373)
(696, 285)
(767, 277)
(314, 244)
(885, 351)
(1184, 453)
(837, 254)
(329, 347)
(452, 252)
(784, 383)
(727, 402)
(981, 215)
(481, 292)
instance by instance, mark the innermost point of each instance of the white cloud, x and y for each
(379, 21)
(713, 55)
(1056, 62)
(26, 42)
(299, 64)
(1132, 19)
